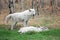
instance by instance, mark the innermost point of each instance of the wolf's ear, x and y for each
(29, 10)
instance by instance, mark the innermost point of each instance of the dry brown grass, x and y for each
(52, 21)
(3, 14)
(46, 17)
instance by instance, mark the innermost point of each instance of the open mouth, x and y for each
(33, 15)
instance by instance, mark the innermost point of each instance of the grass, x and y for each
(6, 34)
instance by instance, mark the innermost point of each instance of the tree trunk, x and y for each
(32, 4)
(11, 6)
(21, 3)
(42, 3)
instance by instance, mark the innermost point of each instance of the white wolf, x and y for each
(20, 16)
(32, 28)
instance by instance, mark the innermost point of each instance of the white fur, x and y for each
(31, 28)
(20, 16)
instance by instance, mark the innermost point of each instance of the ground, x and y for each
(6, 34)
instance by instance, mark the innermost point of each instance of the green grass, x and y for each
(6, 34)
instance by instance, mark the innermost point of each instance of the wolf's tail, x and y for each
(7, 19)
